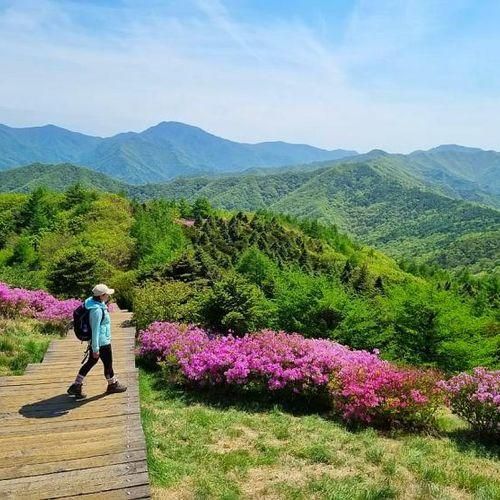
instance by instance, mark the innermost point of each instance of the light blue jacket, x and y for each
(100, 325)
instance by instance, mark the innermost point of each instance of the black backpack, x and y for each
(81, 323)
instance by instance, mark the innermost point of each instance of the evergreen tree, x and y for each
(202, 209)
(74, 273)
(234, 304)
(361, 281)
(37, 213)
(347, 272)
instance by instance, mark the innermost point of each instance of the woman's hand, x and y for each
(95, 355)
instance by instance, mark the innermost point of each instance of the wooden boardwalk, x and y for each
(52, 446)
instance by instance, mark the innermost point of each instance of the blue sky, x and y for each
(392, 74)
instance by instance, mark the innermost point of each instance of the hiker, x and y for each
(100, 343)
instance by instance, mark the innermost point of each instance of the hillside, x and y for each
(458, 172)
(56, 177)
(463, 173)
(244, 271)
(252, 272)
(372, 201)
(159, 153)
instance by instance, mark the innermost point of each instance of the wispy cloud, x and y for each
(105, 67)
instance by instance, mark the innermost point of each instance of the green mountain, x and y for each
(56, 177)
(159, 153)
(374, 201)
(455, 171)
(47, 144)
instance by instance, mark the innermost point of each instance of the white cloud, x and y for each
(103, 70)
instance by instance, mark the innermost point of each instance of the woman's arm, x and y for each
(95, 318)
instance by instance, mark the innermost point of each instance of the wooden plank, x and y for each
(75, 464)
(84, 450)
(55, 414)
(51, 385)
(36, 394)
(65, 402)
(61, 484)
(24, 427)
(9, 442)
(135, 492)
(56, 377)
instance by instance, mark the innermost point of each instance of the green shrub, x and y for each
(21, 343)
(167, 301)
(234, 304)
(76, 271)
(124, 282)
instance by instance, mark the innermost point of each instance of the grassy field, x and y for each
(208, 446)
(22, 341)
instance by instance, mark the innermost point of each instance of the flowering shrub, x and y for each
(476, 398)
(375, 391)
(171, 342)
(362, 387)
(36, 304)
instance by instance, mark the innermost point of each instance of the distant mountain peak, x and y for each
(377, 153)
(456, 148)
(173, 126)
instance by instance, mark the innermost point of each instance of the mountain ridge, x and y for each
(158, 153)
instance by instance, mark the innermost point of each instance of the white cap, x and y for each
(101, 289)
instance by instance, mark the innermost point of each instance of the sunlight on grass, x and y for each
(201, 446)
(21, 343)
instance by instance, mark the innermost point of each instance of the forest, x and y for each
(233, 272)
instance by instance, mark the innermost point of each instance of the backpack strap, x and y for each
(86, 354)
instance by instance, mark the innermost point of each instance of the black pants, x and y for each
(106, 356)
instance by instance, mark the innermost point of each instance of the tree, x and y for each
(234, 304)
(75, 272)
(23, 253)
(185, 209)
(361, 283)
(259, 269)
(346, 275)
(37, 213)
(77, 195)
(202, 208)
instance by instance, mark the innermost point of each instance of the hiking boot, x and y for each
(116, 387)
(76, 390)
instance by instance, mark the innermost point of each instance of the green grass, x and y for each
(224, 447)
(21, 342)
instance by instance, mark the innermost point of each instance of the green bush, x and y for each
(76, 271)
(167, 301)
(234, 304)
(124, 282)
(21, 343)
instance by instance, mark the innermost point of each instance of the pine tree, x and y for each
(361, 282)
(346, 274)
(379, 284)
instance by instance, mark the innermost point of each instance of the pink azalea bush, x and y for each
(374, 391)
(361, 386)
(36, 304)
(476, 398)
(171, 342)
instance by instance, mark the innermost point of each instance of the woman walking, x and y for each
(100, 344)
